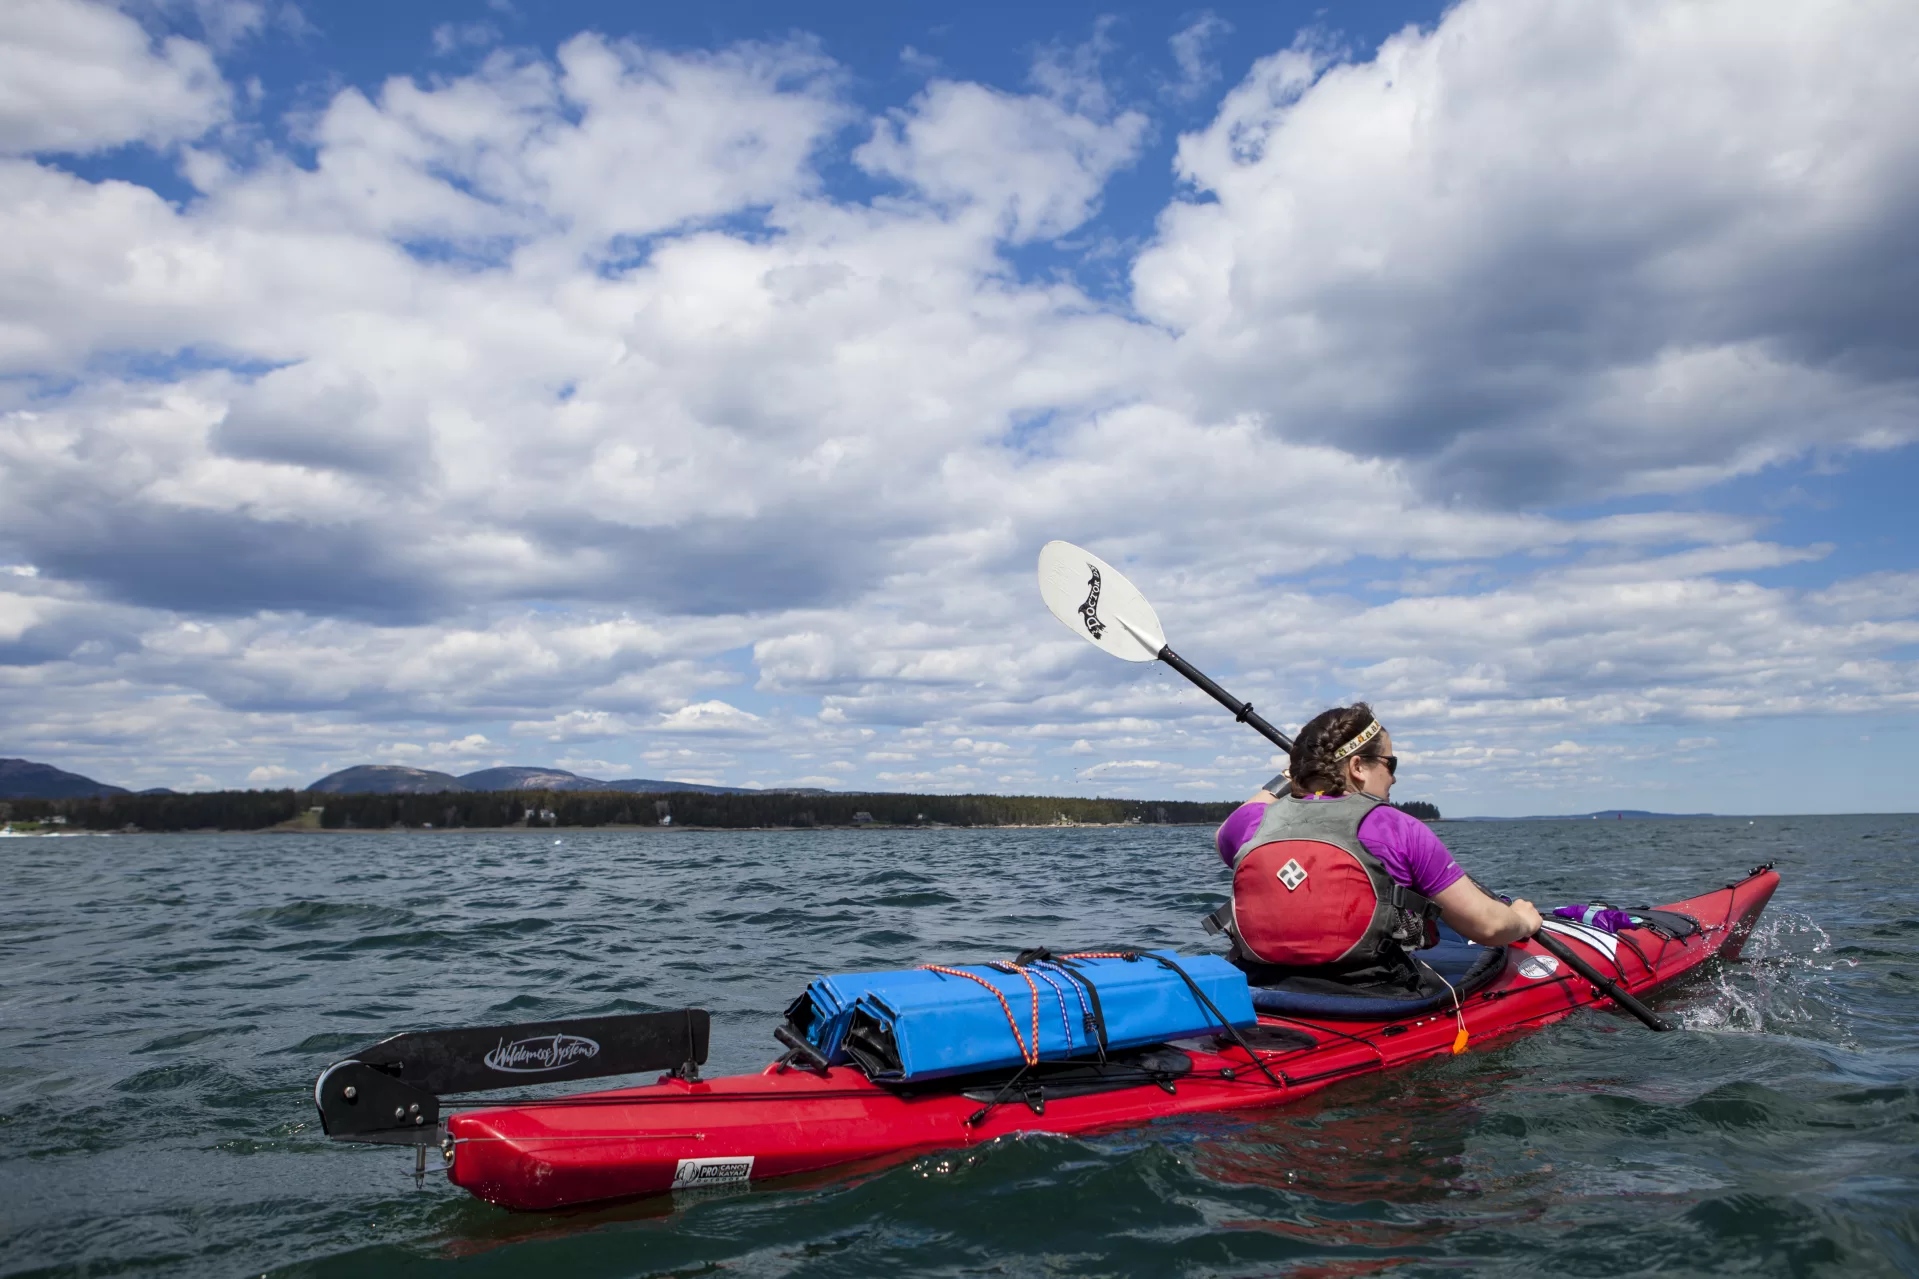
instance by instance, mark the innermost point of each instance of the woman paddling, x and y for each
(1334, 881)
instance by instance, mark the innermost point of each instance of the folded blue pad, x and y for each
(925, 1023)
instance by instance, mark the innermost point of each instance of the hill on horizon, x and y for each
(29, 779)
(24, 779)
(1604, 814)
(399, 779)
(513, 777)
(386, 779)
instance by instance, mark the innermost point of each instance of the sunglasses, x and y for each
(1390, 761)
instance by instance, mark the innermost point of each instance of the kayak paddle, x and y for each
(411, 1072)
(1094, 600)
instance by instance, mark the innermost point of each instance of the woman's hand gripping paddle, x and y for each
(1094, 600)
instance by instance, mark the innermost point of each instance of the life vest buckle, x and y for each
(1218, 921)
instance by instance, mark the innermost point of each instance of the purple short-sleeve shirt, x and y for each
(1405, 846)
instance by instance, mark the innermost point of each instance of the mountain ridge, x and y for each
(30, 779)
(400, 779)
(26, 779)
(1604, 814)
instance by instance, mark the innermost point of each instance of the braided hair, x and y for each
(1313, 769)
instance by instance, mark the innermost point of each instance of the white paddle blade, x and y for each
(1094, 600)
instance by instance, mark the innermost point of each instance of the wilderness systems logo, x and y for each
(693, 1174)
(1089, 611)
(547, 1052)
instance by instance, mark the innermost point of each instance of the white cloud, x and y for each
(1191, 50)
(1133, 769)
(708, 717)
(226, 24)
(575, 724)
(21, 613)
(1025, 167)
(78, 76)
(1552, 252)
(451, 37)
(1876, 595)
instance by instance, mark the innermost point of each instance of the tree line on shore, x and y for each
(261, 810)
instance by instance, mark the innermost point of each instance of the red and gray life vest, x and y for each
(1307, 894)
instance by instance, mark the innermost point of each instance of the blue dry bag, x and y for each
(926, 1023)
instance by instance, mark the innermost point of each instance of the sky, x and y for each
(686, 392)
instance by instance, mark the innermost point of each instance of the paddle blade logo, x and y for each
(1089, 611)
(546, 1052)
(1094, 600)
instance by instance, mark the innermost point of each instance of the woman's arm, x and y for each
(1483, 919)
(1239, 827)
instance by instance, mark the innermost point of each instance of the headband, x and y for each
(1365, 735)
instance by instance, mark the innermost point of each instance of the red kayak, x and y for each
(677, 1134)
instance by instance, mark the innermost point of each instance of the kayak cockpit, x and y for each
(1439, 975)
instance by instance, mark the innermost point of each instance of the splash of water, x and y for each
(1781, 985)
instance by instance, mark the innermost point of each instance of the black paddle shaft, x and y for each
(1242, 711)
(1600, 981)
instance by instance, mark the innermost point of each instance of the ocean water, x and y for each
(168, 1001)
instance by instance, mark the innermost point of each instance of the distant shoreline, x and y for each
(65, 833)
(594, 810)
(1604, 815)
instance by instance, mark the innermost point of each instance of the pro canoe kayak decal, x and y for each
(1089, 611)
(1538, 966)
(722, 1170)
(548, 1052)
